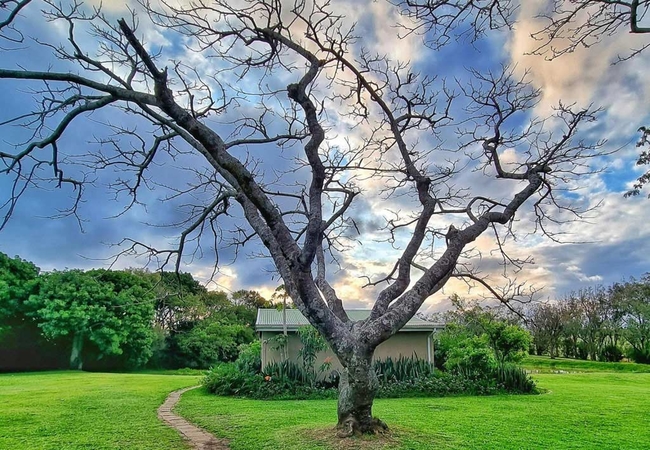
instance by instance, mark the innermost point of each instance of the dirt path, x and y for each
(197, 437)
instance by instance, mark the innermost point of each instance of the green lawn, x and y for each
(546, 364)
(92, 411)
(77, 410)
(581, 411)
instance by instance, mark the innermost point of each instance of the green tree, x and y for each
(509, 342)
(111, 310)
(209, 342)
(250, 299)
(17, 283)
(635, 297)
(459, 349)
(178, 298)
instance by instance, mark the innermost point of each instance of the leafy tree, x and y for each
(17, 283)
(209, 342)
(635, 297)
(179, 297)
(22, 347)
(547, 324)
(311, 74)
(110, 310)
(459, 349)
(249, 299)
(509, 342)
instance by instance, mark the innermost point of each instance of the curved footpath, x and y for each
(198, 438)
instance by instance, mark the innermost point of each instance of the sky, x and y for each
(609, 245)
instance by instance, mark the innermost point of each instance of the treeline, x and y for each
(118, 319)
(601, 324)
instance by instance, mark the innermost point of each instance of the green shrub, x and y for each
(312, 344)
(471, 357)
(444, 384)
(611, 353)
(640, 355)
(514, 379)
(250, 357)
(226, 379)
(402, 369)
(288, 370)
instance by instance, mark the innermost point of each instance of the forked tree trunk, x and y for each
(357, 389)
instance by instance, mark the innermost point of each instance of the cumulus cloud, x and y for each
(585, 75)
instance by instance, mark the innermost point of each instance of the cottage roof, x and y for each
(270, 319)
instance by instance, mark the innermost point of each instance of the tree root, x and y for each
(352, 427)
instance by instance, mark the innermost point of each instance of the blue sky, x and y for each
(614, 238)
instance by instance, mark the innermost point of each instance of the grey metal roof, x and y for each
(270, 319)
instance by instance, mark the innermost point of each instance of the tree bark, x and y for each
(357, 389)
(76, 362)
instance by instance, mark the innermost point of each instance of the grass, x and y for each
(546, 364)
(90, 411)
(581, 411)
(606, 408)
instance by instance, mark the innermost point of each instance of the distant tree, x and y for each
(480, 338)
(547, 322)
(635, 298)
(210, 341)
(510, 342)
(250, 299)
(572, 328)
(113, 311)
(179, 297)
(281, 298)
(593, 302)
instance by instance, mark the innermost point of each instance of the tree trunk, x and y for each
(75, 355)
(357, 389)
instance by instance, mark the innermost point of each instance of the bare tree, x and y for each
(291, 78)
(564, 26)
